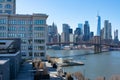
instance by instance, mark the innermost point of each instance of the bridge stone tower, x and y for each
(97, 44)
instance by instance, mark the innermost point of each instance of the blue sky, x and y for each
(73, 12)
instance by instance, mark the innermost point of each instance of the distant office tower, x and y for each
(66, 28)
(7, 6)
(71, 35)
(30, 28)
(98, 25)
(116, 40)
(78, 31)
(102, 33)
(116, 34)
(86, 36)
(70, 31)
(91, 35)
(53, 35)
(62, 37)
(81, 27)
(107, 30)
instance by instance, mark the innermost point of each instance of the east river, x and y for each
(104, 64)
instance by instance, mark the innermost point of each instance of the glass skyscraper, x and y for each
(98, 25)
(107, 30)
(66, 28)
(86, 36)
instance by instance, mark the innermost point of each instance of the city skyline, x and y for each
(73, 12)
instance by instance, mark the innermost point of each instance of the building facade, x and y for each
(7, 6)
(30, 28)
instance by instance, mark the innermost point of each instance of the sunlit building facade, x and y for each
(30, 28)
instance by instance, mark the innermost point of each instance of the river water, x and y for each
(104, 64)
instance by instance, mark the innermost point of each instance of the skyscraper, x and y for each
(98, 25)
(116, 40)
(78, 31)
(86, 36)
(66, 28)
(52, 33)
(107, 30)
(7, 6)
(116, 34)
(80, 25)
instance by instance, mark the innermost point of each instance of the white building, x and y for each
(30, 28)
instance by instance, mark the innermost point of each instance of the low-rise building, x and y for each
(10, 49)
(4, 69)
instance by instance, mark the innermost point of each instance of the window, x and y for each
(8, 6)
(29, 22)
(3, 21)
(30, 53)
(39, 47)
(38, 22)
(39, 54)
(30, 28)
(30, 41)
(38, 41)
(2, 34)
(1, 5)
(12, 21)
(39, 34)
(23, 53)
(29, 47)
(24, 41)
(39, 28)
(8, 11)
(22, 28)
(12, 28)
(23, 48)
(42, 54)
(21, 22)
(21, 35)
(2, 28)
(12, 35)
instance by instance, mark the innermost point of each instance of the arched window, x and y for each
(8, 6)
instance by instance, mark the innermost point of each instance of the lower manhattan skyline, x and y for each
(73, 12)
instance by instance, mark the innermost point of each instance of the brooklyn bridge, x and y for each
(97, 43)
